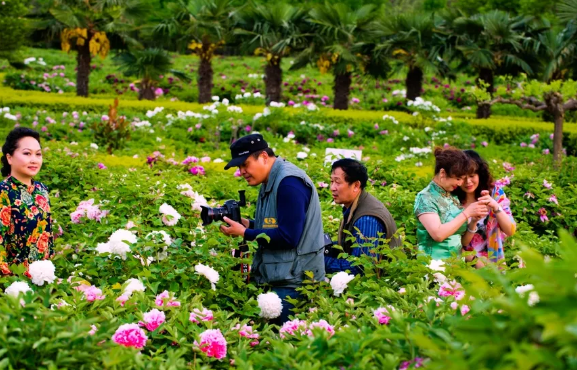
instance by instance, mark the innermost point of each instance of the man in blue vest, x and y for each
(364, 216)
(288, 211)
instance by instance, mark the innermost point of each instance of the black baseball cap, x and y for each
(241, 149)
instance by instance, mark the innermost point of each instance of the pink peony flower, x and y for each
(507, 166)
(190, 160)
(355, 100)
(204, 315)
(415, 364)
(91, 293)
(152, 319)
(291, 327)
(484, 143)
(76, 216)
(546, 151)
(93, 330)
(122, 299)
(350, 133)
(543, 215)
(237, 172)
(380, 315)
(523, 145)
(130, 335)
(321, 324)
(246, 331)
(553, 199)
(452, 289)
(164, 298)
(158, 92)
(322, 185)
(197, 171)
(547, 185)
(212, 343)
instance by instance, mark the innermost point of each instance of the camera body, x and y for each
(230, 209)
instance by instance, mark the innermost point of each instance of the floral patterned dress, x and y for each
(488, 240)
(25, 224)
(435, 199)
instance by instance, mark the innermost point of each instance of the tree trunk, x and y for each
(146, 92)
(273, 82)
(342, 88)
(554, 102)
(414, 83)
(83, 59)
(205, 81)
(485, 75)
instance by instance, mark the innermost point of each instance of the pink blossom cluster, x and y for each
(247, 331)
(91, 293)
(164, 299)
(188, 160)
(452, 288)
(464, 308)
(213, 343)
(383, 314)
(130, 335)
(204, 315)
(301, 327)
(197, 171)
(89, 210)
(416, 363)
(152, 319)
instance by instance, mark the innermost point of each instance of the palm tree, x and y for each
(272, 30)
(418, 43)
(491, 43)
(83, 26)
(207, 23)
(558, 51)
(343, 42)
(147, 65)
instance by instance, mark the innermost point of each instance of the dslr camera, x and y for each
(230, 209)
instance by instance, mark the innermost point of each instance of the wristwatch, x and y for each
(499, 210)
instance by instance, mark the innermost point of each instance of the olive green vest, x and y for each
(368, 205)
(286, 267)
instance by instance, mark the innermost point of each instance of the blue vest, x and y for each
(286, 267)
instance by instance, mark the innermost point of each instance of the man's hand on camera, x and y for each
(235, 228)
(245, 222)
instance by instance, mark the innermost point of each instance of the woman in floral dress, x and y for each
(485, 235)
(25, 221)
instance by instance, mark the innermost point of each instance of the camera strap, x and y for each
(242, 252)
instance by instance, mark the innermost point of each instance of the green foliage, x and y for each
(16, 31)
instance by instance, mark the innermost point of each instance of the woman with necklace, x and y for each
(441, 220)
(485, 235)
(25, 219)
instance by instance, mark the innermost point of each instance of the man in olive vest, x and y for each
(364, 216)
(287, 211)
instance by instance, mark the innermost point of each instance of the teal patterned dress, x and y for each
(435, 199)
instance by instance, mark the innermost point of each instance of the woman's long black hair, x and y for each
(481, 168)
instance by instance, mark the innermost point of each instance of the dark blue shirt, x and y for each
(293, 198)
(369, 228)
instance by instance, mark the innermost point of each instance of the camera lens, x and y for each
(209, 215)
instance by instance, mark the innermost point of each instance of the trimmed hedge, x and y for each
(500, 129)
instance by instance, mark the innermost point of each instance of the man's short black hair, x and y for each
(268, 151)
(353, 169)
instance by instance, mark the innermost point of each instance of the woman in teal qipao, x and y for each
(440, 218)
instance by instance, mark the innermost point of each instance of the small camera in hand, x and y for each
(329, 250)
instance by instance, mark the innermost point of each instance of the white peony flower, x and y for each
(340, 281)
(270, 305)
(199, 201)
(302, 155)
(533, 299)
(133, 285)
(439, 278)
(209, 273)
(123, 235)
(171, 216)
(17, 287)
(42, 272)
(94, 146)
(165, 236)
(437, 265)
(521, 290)
(103, 248)
(118, 247)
